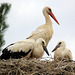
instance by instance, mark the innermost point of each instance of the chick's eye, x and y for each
(59, 43)
(42, 42)
(49, 9)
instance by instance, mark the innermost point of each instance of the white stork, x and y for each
(61, 51)
(28, 48)
(44, 31)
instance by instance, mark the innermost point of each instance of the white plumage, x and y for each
(61, 51)
(44, 31)
(28, 48)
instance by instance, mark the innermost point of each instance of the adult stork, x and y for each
(28, 48)
(61, 51)
(44, 31)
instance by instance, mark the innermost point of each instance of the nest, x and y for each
(36, 67)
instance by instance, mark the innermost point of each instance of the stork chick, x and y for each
(44, 31)
(28, 48)
(61, 51)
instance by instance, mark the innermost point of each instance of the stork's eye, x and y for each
(42, 42)
(59, 43)
(49, 9)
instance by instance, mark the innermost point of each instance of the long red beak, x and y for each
(52, 15)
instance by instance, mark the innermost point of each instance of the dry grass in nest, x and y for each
(36, 67)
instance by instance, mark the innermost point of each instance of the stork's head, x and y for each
(60, 44)
(43, 44)
(49, 11)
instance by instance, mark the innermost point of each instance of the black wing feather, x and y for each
(9, 54)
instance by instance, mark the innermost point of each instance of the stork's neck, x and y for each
(47, 18)
(38, 47)
(38, 50)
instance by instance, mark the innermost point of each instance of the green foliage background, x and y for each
(4, 9)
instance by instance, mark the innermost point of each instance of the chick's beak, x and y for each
(45, 49)
(55, 48)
